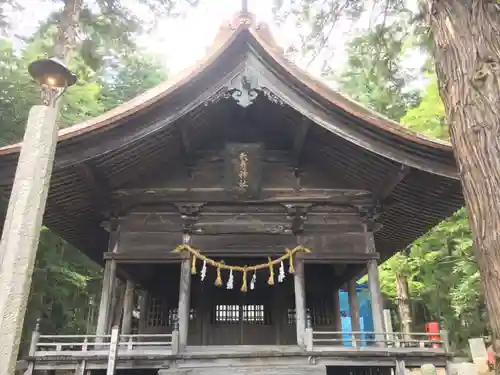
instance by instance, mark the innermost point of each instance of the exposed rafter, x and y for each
(187, 148)
(299, 139)
(391, 183)
(98, 187)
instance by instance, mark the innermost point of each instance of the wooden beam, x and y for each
(267, 195)
(187, 147)
(168, 257)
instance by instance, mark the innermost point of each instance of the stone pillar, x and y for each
(128, 308)
(108, 287)
(376, 298)
(300, 300)
(184, 296)
(352, 294)
(21, 230)
(337, 317)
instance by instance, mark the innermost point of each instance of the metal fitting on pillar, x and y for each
(176, 322)
(186, 238)
(308, 319)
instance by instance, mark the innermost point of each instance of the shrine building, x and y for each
(228, 206)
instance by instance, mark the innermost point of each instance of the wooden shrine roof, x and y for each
(416, 174)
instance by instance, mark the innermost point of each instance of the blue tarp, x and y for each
(365, 313)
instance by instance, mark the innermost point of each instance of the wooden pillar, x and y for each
(128, 308)
(108, 284)
(184, 296)
(376, 298)
(374, 286)
(117, 305)
(353, 306)
(108, 287)
(278, 304)
(203, 314)
(337, 317)
(300, 300)
(143, 311)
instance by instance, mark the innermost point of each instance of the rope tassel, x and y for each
(244, 287)
(270, 281)
(291, 268)
(193, 265)
(218, 280)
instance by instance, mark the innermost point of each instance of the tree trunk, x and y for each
(467, 51)
(403, 305)
(66, 37)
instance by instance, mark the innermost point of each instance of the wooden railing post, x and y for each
(80, 367)
(113, 350)
(400, 367)
(445, 338)
(130, 343)
(35, 336)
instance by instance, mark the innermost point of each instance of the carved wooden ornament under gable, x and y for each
(244, 88)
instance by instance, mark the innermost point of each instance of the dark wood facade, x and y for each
(247, 156)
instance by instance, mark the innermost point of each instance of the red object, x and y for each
(432, 329)
(491, 357)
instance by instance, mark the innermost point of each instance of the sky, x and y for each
(181, 41)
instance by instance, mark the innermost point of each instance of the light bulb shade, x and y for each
(51, 72)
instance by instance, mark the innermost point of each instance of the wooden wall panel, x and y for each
(207, 170)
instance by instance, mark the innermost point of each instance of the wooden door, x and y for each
(238, 318)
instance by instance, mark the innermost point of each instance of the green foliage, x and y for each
(381, 83)
(17, 94)
(429, 116)
(443, 279)
(65, 280)
(128, 74)
(105, 27)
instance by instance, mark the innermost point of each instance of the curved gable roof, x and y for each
(261, 39)
(346, 130)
